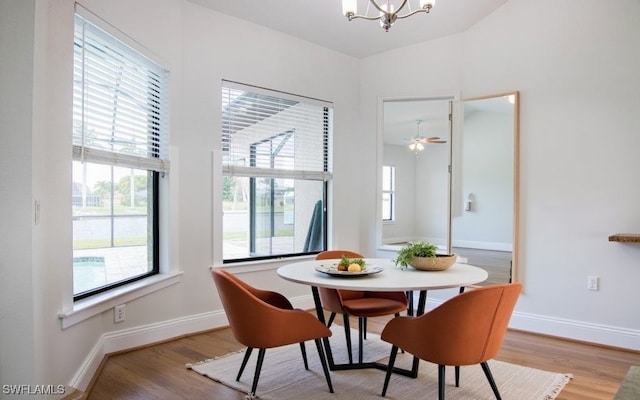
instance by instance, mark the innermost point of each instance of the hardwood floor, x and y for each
(496, 263)
(159, 372)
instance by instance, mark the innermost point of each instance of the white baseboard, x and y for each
(577, 330)
(112, 342)
(144, 335)
(570, 329)
(471, 244)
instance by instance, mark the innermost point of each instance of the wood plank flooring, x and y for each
(496, 263)
(159, 372)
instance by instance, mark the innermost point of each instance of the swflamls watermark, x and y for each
(33, 389)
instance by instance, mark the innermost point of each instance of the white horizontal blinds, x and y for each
(273, 134)
(120, 102)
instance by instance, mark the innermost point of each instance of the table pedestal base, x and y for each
(412, 373)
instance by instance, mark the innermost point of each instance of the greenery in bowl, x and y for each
(414, 249)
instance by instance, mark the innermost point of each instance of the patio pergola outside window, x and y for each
(276, 149)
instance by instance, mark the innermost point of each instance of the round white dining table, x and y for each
(387, 278)
(390, 279)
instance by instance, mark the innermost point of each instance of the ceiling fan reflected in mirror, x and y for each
(417, 142)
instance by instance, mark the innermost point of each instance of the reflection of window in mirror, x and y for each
(388, 192)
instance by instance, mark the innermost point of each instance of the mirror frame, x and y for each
(516, 173)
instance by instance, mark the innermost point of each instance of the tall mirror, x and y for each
(416, 179)
(484, 202)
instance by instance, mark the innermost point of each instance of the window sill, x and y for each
(94, 305)
(261, 265)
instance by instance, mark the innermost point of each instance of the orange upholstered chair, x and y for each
(257, 318)
(360, 304)
(467, 329)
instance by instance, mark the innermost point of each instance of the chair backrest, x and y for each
(466, 329)
(337, 254)
(257, 317)
(246, 312)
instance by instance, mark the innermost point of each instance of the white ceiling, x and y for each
(400, 120)
(322, 22)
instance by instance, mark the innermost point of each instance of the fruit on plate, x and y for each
(354, 268)
(351, 264)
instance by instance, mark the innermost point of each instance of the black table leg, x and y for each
(413, 373)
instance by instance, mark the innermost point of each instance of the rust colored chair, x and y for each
(467, 329)
(360, 304)
(257, 318)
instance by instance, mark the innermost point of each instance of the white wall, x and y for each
(575, 66)
(17, 52)
(487, 175)
(200, 47)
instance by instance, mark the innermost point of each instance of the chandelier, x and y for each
(387, 13)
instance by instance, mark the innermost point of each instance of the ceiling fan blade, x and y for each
(436, 141)
(433, 138)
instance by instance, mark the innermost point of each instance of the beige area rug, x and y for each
(283, 376)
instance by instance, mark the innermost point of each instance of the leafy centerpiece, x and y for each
(423, 256)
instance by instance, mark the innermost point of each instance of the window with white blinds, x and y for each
(275, 134)
(120, 153)
(120, 102)
(276, 165)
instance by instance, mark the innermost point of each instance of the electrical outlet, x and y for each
(119, 313)
(593, 282)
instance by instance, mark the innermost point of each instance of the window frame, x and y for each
(391, 191)
(253, 172)
(154, 161)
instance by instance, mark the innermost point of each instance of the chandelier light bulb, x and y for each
(412, 146)
(349, 7)
(427, 4)
(420, 146)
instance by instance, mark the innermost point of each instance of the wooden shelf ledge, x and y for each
(625, 237)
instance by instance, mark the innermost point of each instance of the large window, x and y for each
(388, 193)
(276, 150)
(120, 133)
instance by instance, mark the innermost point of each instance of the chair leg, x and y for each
(347, 335)
(244, 362)
(256, 376)
(457, 369)
(331, 318)
(489, 375)
(361, 329)
(364, 328)
(441, 382)
(324, 364)
(392, 360)
(304, 355)
(397, 315)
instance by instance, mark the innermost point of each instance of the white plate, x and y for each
(332, 269)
